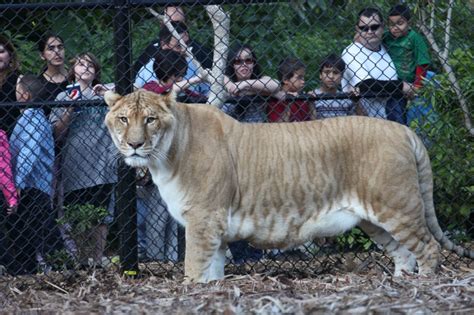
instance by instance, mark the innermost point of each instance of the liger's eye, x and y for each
(150, 120)
(123, 119)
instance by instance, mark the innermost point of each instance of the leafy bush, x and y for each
(84, 222)
(354, 239)
(82, 218)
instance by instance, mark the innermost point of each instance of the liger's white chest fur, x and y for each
(171, 192)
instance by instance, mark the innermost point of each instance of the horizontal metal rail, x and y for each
(131, 4)
(242, 99)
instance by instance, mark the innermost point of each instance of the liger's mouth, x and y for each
(137, 155)
(141, 155)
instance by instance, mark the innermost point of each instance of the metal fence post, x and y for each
(126, 204)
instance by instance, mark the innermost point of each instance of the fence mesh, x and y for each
(64, 186)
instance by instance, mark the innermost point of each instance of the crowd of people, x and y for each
(52, 158)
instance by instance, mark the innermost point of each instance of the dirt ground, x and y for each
(341, 284)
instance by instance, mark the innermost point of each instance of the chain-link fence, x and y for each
(68, 202)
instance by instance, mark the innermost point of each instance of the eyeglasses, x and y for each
(247, 61)
(366, 28)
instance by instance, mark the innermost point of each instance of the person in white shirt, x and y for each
(369, 68)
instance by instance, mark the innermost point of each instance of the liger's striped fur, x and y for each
(280, 185)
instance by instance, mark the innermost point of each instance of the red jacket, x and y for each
(154, 86)
(288, 111)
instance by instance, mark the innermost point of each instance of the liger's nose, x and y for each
(135, 145)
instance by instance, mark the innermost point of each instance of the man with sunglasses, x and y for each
(369, 69)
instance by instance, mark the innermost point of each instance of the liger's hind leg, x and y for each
(403, 259)
(408, 227)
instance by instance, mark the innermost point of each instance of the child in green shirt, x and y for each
(409, 52)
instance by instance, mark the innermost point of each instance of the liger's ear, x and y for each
(111, 98)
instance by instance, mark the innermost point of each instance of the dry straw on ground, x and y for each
(284, 289)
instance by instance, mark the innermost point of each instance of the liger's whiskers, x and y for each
(161, 156)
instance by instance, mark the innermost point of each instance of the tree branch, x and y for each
(447, 34)
(432, 16)
(449, 70)
(221, 25)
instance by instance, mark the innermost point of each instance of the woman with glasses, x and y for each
(369, 69)
(244, 78)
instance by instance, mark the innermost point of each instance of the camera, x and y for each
(73, 91)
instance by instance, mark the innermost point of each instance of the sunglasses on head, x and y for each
(247, 61)
(366, 28)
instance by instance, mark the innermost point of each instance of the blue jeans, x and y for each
(396, 110)
(421, 115)
(421, 111)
